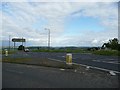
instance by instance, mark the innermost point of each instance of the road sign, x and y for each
(18, 40)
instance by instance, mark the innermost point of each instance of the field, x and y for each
(97, 52)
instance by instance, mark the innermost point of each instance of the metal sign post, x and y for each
(18, 40)
(9, 43)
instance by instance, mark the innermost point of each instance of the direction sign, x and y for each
(18, 40)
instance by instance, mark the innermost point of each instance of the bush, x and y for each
(21, 47)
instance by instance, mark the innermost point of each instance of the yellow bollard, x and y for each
(69, 58)
(6, 53)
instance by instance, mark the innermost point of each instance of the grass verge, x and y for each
(39, 62)
(107, 52)
(97, 52)
(65, 51)
(9, 52)
(15, 60)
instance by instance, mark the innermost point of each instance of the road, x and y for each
(28, 76)
(100, 61)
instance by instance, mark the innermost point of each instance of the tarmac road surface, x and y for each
(28, 76)
(100, 61)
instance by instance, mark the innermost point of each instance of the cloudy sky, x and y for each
(70, 23)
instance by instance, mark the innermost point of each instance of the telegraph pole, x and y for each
(22, 44)
(48, 38)
(9, 42)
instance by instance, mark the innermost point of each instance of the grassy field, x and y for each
(97, 52)
(107, 52)
(66, 51)
(15, 60)
(9, 52)
(39, 62)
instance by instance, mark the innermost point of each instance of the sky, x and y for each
(70, 23)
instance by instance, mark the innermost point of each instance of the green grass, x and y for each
(66, 51)
(9, 52)
(97, 52)
(15, 60)
(107, 52)
(42, 62)
(48, 50)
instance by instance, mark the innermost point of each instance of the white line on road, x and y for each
(113, 62)
(87, 66)
(56, 60)
(62, 69)
(96, 60)
(14, 71)
(65, 57)
(97, 68)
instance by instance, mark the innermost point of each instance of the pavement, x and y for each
(98, 61)
(28, 76)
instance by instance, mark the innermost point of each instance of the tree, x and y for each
(112, 44)
(21, 47)
(106, 45)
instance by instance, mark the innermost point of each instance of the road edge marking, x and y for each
(88, 66)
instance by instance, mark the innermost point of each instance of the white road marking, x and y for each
(97, 68)
(65, 57)
(113, 62)
(14, 71)
(87, 65)
(96, 60)
(62, 69)
(56, 60)
(75, 70)
(111, 59)
(112, 73)
(31, 66)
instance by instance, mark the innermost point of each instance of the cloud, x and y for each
(18, 19)
(60, 0)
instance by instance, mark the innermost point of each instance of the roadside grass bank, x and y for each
(55, 64)
(65, 51)
(9, 52)
(107, 52)
(97, 52)
(51, 63)
(39, 62)
(15, 60)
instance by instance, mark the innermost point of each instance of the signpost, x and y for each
(18, 40)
